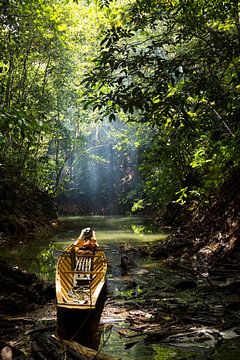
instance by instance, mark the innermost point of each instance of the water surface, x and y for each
(39, 254)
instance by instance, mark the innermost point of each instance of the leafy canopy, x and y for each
(174, 65)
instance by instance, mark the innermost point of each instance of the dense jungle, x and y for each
(113, 109)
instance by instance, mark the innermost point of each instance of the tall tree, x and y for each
(174, 65)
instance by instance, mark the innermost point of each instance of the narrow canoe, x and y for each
(80, 277)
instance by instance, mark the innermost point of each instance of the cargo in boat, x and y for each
(81, 273)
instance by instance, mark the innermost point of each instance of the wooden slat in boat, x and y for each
(84, 295)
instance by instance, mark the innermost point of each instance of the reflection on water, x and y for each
(115, 229)
(39, 254)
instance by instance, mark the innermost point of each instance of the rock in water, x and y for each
(185, 284)
(127, 262)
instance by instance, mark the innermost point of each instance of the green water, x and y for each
(39, 254)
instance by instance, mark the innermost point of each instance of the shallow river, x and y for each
(40, 256)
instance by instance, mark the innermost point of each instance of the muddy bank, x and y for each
(28, 321)
(211, 234)
(21, 291)
(24, 303)
(176, 306)
(24, 208)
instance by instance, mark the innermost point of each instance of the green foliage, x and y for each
(33, 53)
(138, 205)
(175, 67)
(171, 68)
(182, 196)
(44, 51)
(103, 3)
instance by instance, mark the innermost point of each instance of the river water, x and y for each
(40, 255)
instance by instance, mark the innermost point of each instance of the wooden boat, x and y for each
(80, 276)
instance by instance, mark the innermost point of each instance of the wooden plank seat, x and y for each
(82, 272)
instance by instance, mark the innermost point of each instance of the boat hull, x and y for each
(80, 278)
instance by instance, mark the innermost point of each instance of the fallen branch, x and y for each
(40, 330)
(162, 335)
(83, 350)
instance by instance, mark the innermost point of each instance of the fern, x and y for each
(103, 3)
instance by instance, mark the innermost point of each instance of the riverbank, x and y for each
(24, 208)
(23, 298)
(153, 304)
(210, 235)
(21, 291)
